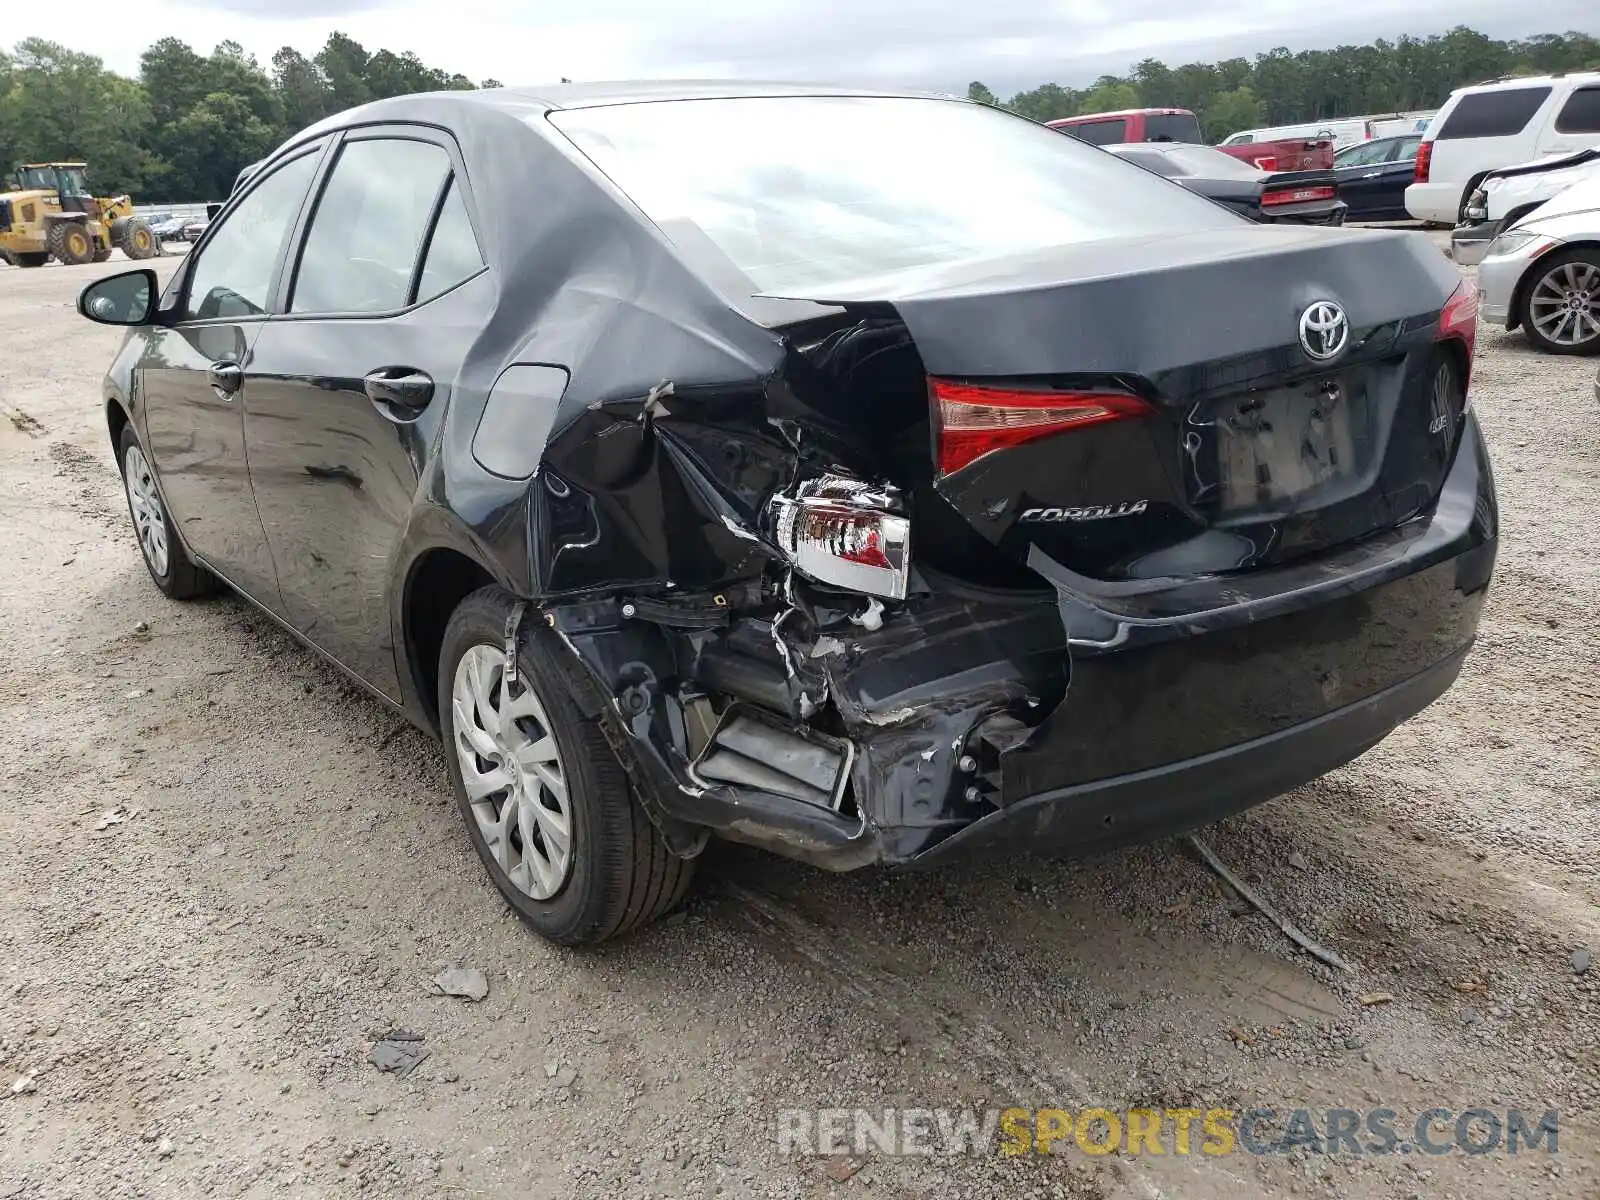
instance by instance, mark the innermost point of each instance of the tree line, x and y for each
(1284, 88)
(185, 127)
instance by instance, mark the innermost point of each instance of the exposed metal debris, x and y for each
(1290, 930)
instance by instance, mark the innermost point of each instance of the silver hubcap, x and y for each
(149, 522)
(512, 772)
(1565, 305)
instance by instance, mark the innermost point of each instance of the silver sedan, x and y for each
(1543, 275)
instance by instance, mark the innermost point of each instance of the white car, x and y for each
(1543, 275)
(1504, 197)
(1493, 125)
(1343, 133)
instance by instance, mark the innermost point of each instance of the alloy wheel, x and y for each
(1565, 304)
(144, 502)
(512, 772)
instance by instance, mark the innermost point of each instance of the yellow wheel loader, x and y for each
(52, 214)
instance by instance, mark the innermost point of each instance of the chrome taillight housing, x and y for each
(846, 532)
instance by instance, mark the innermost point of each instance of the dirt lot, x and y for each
(223, 871)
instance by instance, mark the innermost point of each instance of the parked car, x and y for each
(1300, 197)
(1543, 274)
(687, 486)
(1493, 125)
(1341, 132)
(1133, 125)
(170, 230)
(1373, 177)
(194, 230)
(1504, 197)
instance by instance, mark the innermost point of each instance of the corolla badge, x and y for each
(1324, 330)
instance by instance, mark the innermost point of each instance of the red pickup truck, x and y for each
(1181, 125)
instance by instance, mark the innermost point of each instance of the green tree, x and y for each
(301, 88)
(1108, 95)
(1046, 102)
(1229, 112)
(980, 93)
(343, 62)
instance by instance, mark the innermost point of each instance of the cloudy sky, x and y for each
(1009, 44)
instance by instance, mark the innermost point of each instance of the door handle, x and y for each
(399, 387)
(1372, 174)
(225, 378)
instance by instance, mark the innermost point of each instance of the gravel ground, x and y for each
(224, 871)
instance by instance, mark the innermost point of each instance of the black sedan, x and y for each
(690, 484)
(1269, 197)
(1373, 177)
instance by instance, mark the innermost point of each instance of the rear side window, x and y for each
(1172, 127)
(453, 253)
(859, 201)
(1100, 133)
(1581, 112)
(361, 252)
(1493, 114)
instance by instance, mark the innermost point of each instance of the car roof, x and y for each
(1519, 81)
(1123, 112)
(595, 95)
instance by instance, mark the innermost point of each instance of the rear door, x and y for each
(346, 390)
(192, 370)
(1488, 129)
(1575, 124)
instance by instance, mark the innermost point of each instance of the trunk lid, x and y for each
(1224, 443)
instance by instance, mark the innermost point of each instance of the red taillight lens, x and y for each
(1297, 195)
(975, 420)
(1459, 318)
(1424, 159)
(1266, 162)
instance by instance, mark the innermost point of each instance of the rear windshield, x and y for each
(1203, 162)
(1172, 127)
(1492, 114)
(805, 190)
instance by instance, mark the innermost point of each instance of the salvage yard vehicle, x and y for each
(687, 486)
(51, 214)
(1543, 274)
(1296, 197)
(1504, 197)
(1373, 177)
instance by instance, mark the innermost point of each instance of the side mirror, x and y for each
(125, 299)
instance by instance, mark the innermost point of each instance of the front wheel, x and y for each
(174, 572)
(70, 243)
(545, 801)
(1561, 303)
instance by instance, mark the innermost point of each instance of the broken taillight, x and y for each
(845, 532)
(1459, 319)
(974, 419)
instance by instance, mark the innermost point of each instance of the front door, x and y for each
(191, 372)
(345, 391)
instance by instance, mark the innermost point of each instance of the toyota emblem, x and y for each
(1324, 330)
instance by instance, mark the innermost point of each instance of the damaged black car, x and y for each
(878, 479)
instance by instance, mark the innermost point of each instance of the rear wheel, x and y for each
(174, 572)
(1561, 303)
(546, 803)
(70, 243)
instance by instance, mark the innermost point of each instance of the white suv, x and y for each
(1493, 125)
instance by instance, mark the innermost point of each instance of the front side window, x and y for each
(846, 191)
(361, 251)
(232, 273)
(1492, 114)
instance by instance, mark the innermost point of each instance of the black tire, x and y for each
(32, 260)
(134, 237)
(71, 243)
(184, 579)
(102, 255)
(1543, 268)
(622, 875)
